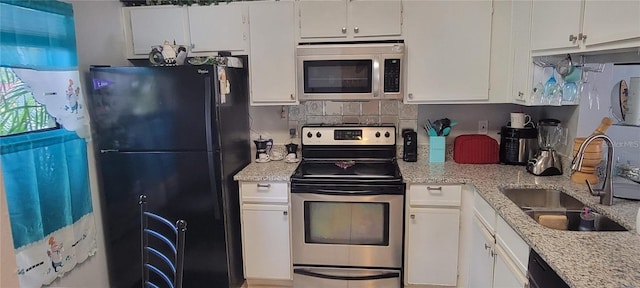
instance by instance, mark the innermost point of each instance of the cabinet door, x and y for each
(433, 241)
(505, 273)
(265, 234)
(151, 26)
(482, 249)
(327, 18)
(521, 51)
(272, 59)
(217, 28)
(447, 65)
(374, 18)
(608, 21)
(553, 22)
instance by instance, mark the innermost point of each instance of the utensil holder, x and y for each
(437, 148)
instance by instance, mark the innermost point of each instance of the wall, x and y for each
(99, 40)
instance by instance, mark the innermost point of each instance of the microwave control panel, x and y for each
(391, 75)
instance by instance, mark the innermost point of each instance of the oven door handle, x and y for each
(346, 192)
(385, 275)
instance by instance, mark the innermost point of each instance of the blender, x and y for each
(547, 162)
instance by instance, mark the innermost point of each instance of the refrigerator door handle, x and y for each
(211, 155)
(102, 151)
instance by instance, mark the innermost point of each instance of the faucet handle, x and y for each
(594, 193)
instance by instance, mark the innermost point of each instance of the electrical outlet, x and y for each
(483, 126)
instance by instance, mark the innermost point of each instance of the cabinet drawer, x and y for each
(513, 244)
(435, 195)
(264, 192)
(484, 212)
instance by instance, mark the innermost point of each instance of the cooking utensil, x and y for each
(565, 66)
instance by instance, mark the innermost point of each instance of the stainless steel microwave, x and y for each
(345, 72)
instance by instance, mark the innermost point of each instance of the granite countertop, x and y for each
(582, 259)
(270, 171)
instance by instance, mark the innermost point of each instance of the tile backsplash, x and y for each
(374, 112)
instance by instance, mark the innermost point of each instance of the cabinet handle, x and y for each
(285, 213)
(572, 38)
(493, 253)
(193, 46)
(412, 216)
(486, 246)
(292, 98)
(356, 30)
(264, 185)
(410, 95)
(432, 189)
(582, 36)
(344, 30)
(520, 94)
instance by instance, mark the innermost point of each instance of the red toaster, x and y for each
(476, 149)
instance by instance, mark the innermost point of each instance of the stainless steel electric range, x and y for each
(347, 201)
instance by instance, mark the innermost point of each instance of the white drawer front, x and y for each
(485, 213)
(435, 195)
(513, 244)
(275, 192)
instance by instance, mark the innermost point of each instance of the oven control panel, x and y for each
(349, 135)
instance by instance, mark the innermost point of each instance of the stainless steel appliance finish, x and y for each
(347, 203)
(314, 277)
(547, 162)
(374, 237)
(518, 145)
(350, 71)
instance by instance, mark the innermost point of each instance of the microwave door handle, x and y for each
(385, 275)
(376, 77)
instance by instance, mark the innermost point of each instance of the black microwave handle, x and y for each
(386, 275)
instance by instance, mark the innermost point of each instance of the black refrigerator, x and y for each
(177, 135)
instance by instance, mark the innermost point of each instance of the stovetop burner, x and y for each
(353, 169)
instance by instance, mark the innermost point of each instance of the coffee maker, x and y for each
(518, 145)
(292, 152)
(263, 146)
(547, 162)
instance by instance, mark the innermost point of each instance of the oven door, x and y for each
(338, 77)
(356, 226)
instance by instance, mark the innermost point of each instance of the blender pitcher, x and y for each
(547, 162)
(549, 133)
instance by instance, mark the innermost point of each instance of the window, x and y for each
(19, 111)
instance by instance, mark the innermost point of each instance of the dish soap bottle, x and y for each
(587, 220)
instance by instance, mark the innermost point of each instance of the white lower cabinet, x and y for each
(482, 256)
(505, 272)
(432, 233)
(266, 241)
(266, 230)
(497, 260)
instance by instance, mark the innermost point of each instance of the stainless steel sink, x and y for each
(531, 198)
(601, 222)
(535, 202)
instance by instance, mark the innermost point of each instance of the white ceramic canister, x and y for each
(632, 115)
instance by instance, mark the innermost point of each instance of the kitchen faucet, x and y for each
(606, 192)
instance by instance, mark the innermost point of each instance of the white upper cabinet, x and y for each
(218, 28)
(448, 51)
(608, 21)
(349, 19)
(203, 29)
(272, 59)
(151, 26)
(555, 24)
(559, 27)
